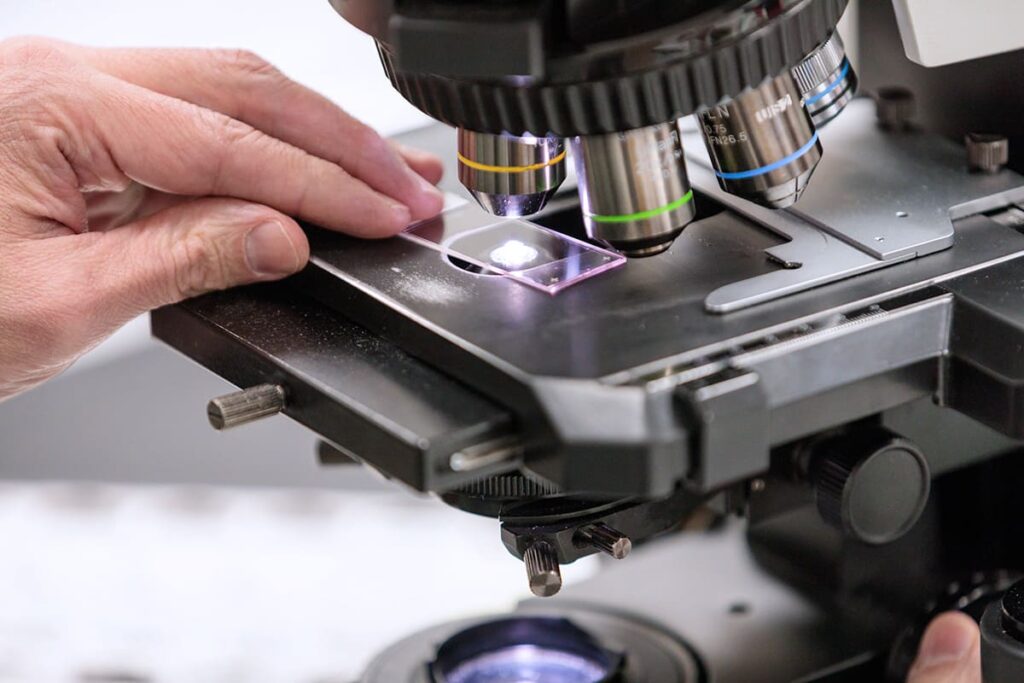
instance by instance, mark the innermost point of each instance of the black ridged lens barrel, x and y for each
(763, 144)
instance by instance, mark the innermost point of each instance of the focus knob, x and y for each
(987, 153)
(871, 484)
(1002, 638)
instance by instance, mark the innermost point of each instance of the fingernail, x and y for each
(946, 641)
(269, 251)
(401, 214)
(427, 188)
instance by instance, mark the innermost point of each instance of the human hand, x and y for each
(950, 652)
(132, 179)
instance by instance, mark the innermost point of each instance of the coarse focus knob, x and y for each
(245, 406)
(870, 483)
(987, 153)
(1002, 638)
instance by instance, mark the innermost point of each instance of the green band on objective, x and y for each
(644, 215)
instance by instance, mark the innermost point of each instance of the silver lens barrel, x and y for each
(634, 190)
(508, 175)
(763, 144)
(826, 81)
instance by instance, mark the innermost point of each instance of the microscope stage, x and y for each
(597, 372)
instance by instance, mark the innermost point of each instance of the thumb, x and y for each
(194, 248)
(950, 652)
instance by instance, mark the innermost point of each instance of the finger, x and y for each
(424, 163)
(184, 251)
(244, 87)
(181, 148)
(950, 652)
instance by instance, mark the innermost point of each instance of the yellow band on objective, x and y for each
(511, 169)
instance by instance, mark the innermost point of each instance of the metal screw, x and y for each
(606, 539)
(542, 569)
(896, 108)
(486, 455)
(987, 153)
(245, 406)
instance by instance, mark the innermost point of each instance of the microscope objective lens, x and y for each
(763, 144)
(634, 190)
(508, 175)
(827, 81)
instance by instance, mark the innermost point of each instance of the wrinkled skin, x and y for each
(132, 179)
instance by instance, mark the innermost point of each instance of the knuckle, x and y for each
(247, 64)
(199, 266)
(32, 52)
(370, 142)
(234, 132)
(227, 136)
(33, 74)
(226, 132)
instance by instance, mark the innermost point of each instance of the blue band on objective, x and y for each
(743, 175)
(835, 84)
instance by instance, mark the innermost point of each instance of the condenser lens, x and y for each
(525, 650)
(529, 664)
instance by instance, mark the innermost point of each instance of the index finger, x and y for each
(243, 86)
(181, 148)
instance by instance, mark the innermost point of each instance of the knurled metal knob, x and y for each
(245, 406)
(542, 569)
(606, 539)
(987, 153)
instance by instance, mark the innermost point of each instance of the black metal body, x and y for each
(568, 67)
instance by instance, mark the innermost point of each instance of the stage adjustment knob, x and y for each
(987, 153)
(870, 483)
(243, 407)
(606, 539)
(542, 569)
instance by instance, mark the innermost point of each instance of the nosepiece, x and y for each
(508, 175)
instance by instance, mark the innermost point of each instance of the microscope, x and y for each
(709, 303)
